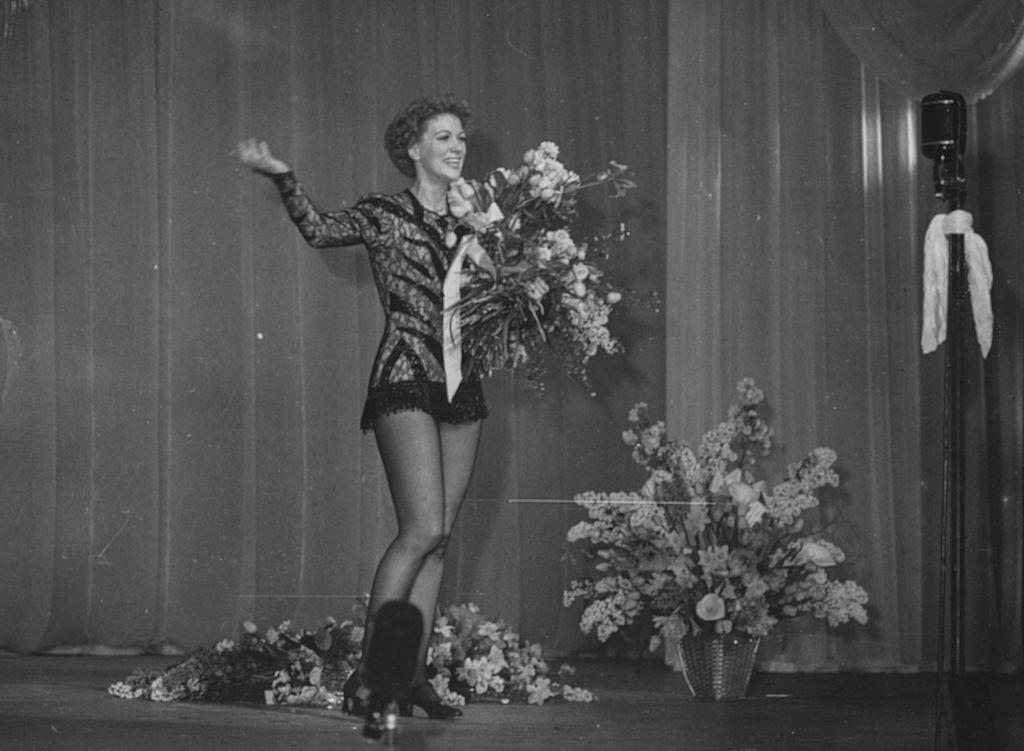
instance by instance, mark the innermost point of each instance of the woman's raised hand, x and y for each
(256, 154)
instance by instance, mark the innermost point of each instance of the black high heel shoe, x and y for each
(424, 696)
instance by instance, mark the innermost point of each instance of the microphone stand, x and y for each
(972, 720)
(951, 186)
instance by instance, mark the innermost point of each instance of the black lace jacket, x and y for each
(409, 259)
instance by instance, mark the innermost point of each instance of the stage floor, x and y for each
(62, 703)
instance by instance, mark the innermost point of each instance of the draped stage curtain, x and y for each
(180, 449)
(795, 256)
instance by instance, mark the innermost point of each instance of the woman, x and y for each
(427, 443)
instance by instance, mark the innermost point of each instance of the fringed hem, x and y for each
(432, 398)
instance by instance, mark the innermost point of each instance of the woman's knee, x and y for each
(440, 547)
(424, 542)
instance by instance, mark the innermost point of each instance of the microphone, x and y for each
(943, 139)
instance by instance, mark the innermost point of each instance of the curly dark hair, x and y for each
(409, 125)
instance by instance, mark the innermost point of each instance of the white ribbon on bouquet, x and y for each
(469, 247)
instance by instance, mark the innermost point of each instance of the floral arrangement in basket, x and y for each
(539, 292)
(705, 547)
(471, 658)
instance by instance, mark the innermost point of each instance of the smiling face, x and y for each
(441, 150)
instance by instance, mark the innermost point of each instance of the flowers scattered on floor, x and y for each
(470, 657)
(474, 657)
(539, 294)
(283, 665)
(705, 547)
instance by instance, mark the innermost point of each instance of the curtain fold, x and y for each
(919, 48)
(791, 263)
(995, 512)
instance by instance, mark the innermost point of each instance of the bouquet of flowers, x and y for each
(539, 291)
(469, 657)
(706, 548)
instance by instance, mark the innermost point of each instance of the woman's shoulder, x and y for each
(389, 201)
(391, 208)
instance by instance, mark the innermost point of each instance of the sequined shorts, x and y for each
(468, 405)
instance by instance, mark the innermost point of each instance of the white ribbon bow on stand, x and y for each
(469, 247)
(936, 280)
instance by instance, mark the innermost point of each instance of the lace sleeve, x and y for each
(321, 229)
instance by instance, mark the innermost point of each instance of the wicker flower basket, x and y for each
(717, 668)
